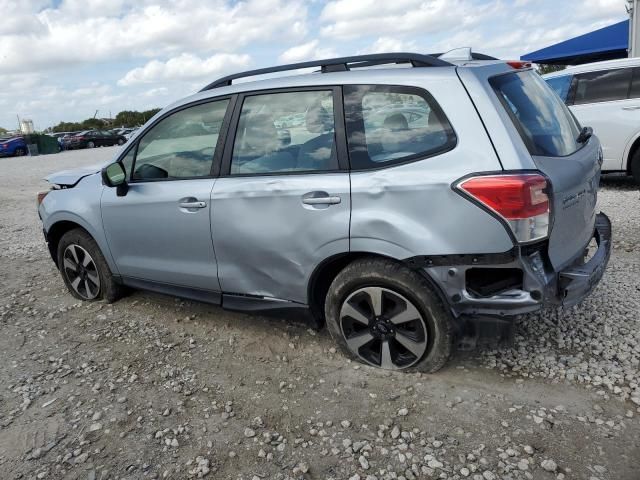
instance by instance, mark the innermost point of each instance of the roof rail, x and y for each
(474, 56)
(340, 64)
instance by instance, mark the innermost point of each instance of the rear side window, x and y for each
(393, 124)
(602, 86)
(285, 132)
(635, 84)
(561, 85)
(544, 122)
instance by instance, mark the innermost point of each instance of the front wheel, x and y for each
(90, 145)
(120, 141)
(383, 314)
(84, 270)
(20, 152)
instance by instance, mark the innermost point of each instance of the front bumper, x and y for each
(540, 284)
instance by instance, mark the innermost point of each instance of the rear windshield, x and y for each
(544, 122)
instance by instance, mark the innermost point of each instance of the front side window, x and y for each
(392, 124)
(181, 145)
(561, 85)
(544, 122)
(285, 132)
(602, 86)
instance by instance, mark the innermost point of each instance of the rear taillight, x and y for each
(520, 199)
(519, 65)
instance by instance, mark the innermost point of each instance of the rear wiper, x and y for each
(585, 134)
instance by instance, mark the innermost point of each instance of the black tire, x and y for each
(107, 288)
(394, 278)
(635, 167)
(20, 152)
(120, 141)
(90, 144)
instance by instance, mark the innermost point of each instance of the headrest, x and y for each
(318, 119)
(396, 122)
(261, 132)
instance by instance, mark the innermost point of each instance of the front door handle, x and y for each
(632, 107)
(196, 204)
(332, 200)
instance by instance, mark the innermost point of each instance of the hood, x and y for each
(72, 177)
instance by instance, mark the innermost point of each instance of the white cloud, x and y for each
(349, 19)
(184, 67)
(307, 51)
(81, 32)
(390, 44)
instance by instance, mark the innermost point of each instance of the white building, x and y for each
(26, 126)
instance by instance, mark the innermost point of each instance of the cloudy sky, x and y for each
(62, 60)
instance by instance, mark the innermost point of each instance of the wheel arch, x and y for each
(55, 233)
(324, 274)
(634, 145)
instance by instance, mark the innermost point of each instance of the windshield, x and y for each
(544, 122)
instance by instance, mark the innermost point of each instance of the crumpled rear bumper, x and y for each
(577, 281)
(540, 284)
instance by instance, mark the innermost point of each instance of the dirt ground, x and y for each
(157, 387)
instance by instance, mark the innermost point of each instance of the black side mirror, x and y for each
(114, 176)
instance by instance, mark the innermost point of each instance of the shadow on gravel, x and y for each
(618, 181)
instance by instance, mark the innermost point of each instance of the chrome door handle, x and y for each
(632, 107)
(321, 200)
(193, 204)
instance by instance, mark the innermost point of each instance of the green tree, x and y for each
(543, 68)
(3, 131)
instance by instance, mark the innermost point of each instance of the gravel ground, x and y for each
(157, 387)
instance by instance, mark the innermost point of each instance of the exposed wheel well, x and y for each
(632, 151)
(55, 233)
(325, 273)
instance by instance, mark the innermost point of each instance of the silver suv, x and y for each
(402, 206)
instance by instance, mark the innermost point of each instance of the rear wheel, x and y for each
(386, 315)
(635, 166)
(120, 141)
(84, 269)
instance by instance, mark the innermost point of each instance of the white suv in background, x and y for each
(606, 97)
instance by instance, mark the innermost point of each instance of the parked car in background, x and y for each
(65, 139)
(13, 147)
(95, 138)
(606, 97)
(400, 232)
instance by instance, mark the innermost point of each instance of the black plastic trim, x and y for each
(426, 261)
(201, 295)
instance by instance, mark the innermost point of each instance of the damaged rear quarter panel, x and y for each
(410, 209)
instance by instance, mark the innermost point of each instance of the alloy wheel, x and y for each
(81, 271)
(383, 328)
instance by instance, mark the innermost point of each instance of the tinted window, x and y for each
(389, 124)
(544, 122)
(635, 84)
(181, 145)
(561, 85)
(603, 86)
(285, 132)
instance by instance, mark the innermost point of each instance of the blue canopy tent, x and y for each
(606, 43)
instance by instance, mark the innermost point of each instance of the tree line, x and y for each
(126, 118)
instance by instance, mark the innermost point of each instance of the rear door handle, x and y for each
(197, 204)
(332, 200)
(632, 107)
